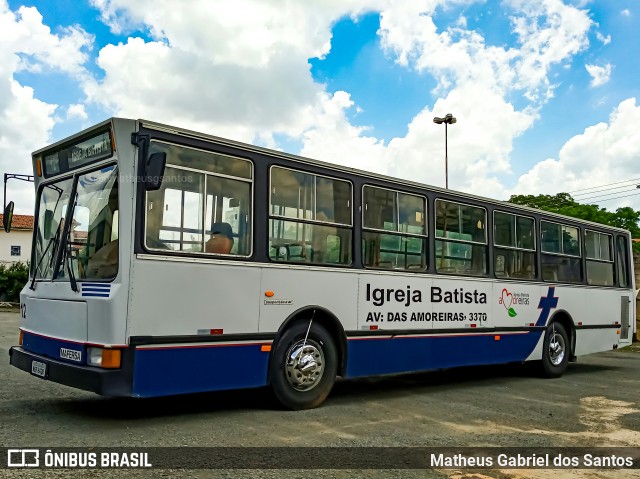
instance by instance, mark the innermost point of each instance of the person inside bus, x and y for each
(221, 240)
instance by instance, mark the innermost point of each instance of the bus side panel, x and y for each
(64, 319)
(370, 356)
(294, 289)
(185, 298)
(595, 340)
(177, 370)
(592, 307)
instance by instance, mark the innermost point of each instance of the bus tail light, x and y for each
(104, 358)
(20, 338)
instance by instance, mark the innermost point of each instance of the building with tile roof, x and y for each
(16, 245)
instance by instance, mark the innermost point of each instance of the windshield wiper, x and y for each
(52, 241)
(68, 260)
(65, 235)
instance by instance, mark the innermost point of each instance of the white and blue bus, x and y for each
(167, 261)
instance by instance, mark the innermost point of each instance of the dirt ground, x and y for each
(594, 404)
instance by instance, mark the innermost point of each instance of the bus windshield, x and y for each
(92, 242)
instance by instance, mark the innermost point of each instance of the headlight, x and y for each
(104, 357)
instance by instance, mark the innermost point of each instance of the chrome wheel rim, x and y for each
(305, 365)
(556, 348)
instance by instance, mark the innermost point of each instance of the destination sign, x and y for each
(79, 154)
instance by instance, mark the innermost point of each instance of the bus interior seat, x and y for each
(221, 240)
(419, 266)
(550, 272)
(447, 269)
(303, 253)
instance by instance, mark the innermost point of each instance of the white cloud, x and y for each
(25, 121)
(548, 33)
(475, 80)
(240, 69)
(605, 40)
(236, 68)
(603, 154)
(599, 74)
(479, 144)
(76, 111)
(626, 12)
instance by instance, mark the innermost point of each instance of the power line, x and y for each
(606, 184)
(606, 194)
(606, 189)
(623, 196)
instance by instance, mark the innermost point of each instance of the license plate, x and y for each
(39, 369)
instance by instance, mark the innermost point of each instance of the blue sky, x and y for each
(545, 92)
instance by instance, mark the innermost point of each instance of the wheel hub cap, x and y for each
(556, 349)
(305, 365)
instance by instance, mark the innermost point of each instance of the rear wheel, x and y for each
(303, 367)
(555, 351)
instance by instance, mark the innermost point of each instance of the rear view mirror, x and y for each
(154, 171)
(8, 217)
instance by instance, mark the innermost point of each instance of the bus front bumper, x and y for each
(108, 382)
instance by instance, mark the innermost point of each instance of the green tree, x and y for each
(562, 203)
(12, 280)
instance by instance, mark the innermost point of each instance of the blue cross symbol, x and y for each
(547, 303)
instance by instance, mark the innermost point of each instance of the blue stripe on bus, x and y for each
(97, 295)
(162, 371)
(94, 288)
(50, 347)
(165, 371)
(176, 370)
(367, 357)
(99, 285)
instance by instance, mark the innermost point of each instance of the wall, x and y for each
(20, 238)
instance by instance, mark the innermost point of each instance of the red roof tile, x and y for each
(20, 222)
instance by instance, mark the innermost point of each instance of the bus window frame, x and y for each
(627, 261)
(612, 255)
(535, 251)
(486, 244)
(203, 253)
(351, 225)
(424, 236)
(580, 238)
(435, 213)
(113, 161)
(580, 256)
(305, 220)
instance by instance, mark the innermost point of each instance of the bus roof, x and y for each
(345, 169)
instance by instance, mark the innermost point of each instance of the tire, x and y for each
(297, 389)
(556, 350)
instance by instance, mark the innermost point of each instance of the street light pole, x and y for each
(9, 176)
(448, 119)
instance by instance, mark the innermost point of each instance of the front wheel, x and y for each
(303, 367)
(555, 351)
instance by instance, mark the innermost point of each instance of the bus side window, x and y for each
(622, 261)
(310, 218)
